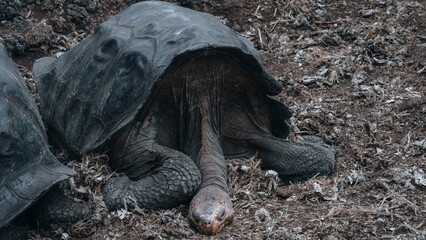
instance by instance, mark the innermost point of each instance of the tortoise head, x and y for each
(211, 210)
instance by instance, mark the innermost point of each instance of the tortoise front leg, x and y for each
(160, 177)
(175, 181)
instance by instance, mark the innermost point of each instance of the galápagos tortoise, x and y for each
(27, 167)
(172, 93)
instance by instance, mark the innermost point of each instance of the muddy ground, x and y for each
(353, 73)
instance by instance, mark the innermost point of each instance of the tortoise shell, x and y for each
(27, 167)
(100, 85)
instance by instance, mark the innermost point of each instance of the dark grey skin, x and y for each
(172, 93)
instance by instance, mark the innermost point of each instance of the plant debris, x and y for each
(353, 73)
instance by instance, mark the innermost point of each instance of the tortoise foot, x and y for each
(296, 161)
(11, 232)
(56, 207)
(174, 182)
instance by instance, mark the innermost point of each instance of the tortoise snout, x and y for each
(210, 210)
(207, 220)
(206, 223)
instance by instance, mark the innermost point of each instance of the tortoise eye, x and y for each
(222, 215)
(196, 216)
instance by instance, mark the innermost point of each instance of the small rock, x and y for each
(90, 5)
(368, 13)
(307, 80)
(354, 177)
(16, 43)
(262, 215)
(60, 25)
(419, 177)
(301, 21)
(41, 34)
(322, 15)
(420, 143)
(359, 78)
(244, 168)
(9, 9)
(271, 173)
(77, 15)
(317, 188)
(121, 214)
(322, 71)
(65, 236)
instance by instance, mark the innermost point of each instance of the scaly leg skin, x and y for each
(11, 232)
(52, 207)
(56, 207)
(157, 176)
(294, 161)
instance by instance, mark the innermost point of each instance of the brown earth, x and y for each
(353, 72)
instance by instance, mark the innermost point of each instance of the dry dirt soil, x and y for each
(353, 73)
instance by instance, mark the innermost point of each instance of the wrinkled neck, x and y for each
(199, 92)
(210, 159)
